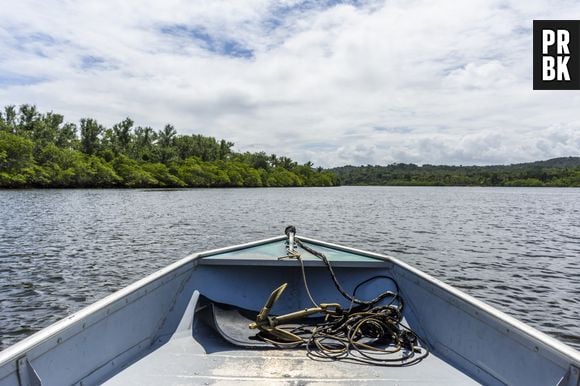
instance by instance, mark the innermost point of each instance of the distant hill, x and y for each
(563, 171)
(561, 162)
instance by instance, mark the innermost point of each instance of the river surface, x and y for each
(515, 248)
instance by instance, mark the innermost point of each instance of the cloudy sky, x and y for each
(353, 82)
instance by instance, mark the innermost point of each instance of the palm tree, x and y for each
(286, 163)
(28, 115)
(90, 135)
(10, 118)
(122, 134)
(166, 136)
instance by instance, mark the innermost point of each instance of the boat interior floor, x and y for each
(197, 354)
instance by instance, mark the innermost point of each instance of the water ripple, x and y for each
(517, 249)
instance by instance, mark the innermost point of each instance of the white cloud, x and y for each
(483, 76)
(399, 81)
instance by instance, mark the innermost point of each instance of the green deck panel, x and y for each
(269, 254)
(274, 250)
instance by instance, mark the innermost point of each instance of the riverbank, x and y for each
(40, 150)
(557, 172)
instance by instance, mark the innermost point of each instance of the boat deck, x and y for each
(205, 358)
(197, 354)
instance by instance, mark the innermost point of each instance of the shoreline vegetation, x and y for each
(40, 150)
(557, 172)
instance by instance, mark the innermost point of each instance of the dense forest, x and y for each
(555, 172)
(41, 150)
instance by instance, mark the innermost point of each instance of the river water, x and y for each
(515, 248)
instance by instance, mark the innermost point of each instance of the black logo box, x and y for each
(573, 28)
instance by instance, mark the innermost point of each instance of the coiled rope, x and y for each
(367, 333)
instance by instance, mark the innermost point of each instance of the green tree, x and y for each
(191, 172)
(90, 135)
(286, 163)
(67, 137)
(132, 175)
(225, 149)
(122, 135)
(166, 150)
(163, 175)
(166, 137)
(143, 144)
(281, 177)
(28, 115)
(8, 119)
(16, 161)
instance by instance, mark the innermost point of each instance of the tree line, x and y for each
(564, 171)
(42, 150)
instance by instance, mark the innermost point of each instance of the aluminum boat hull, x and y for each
(147, 333)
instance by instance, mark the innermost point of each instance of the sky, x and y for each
(333, 82)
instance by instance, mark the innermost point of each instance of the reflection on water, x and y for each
(516, 248)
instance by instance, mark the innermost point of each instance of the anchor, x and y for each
(269, 324)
